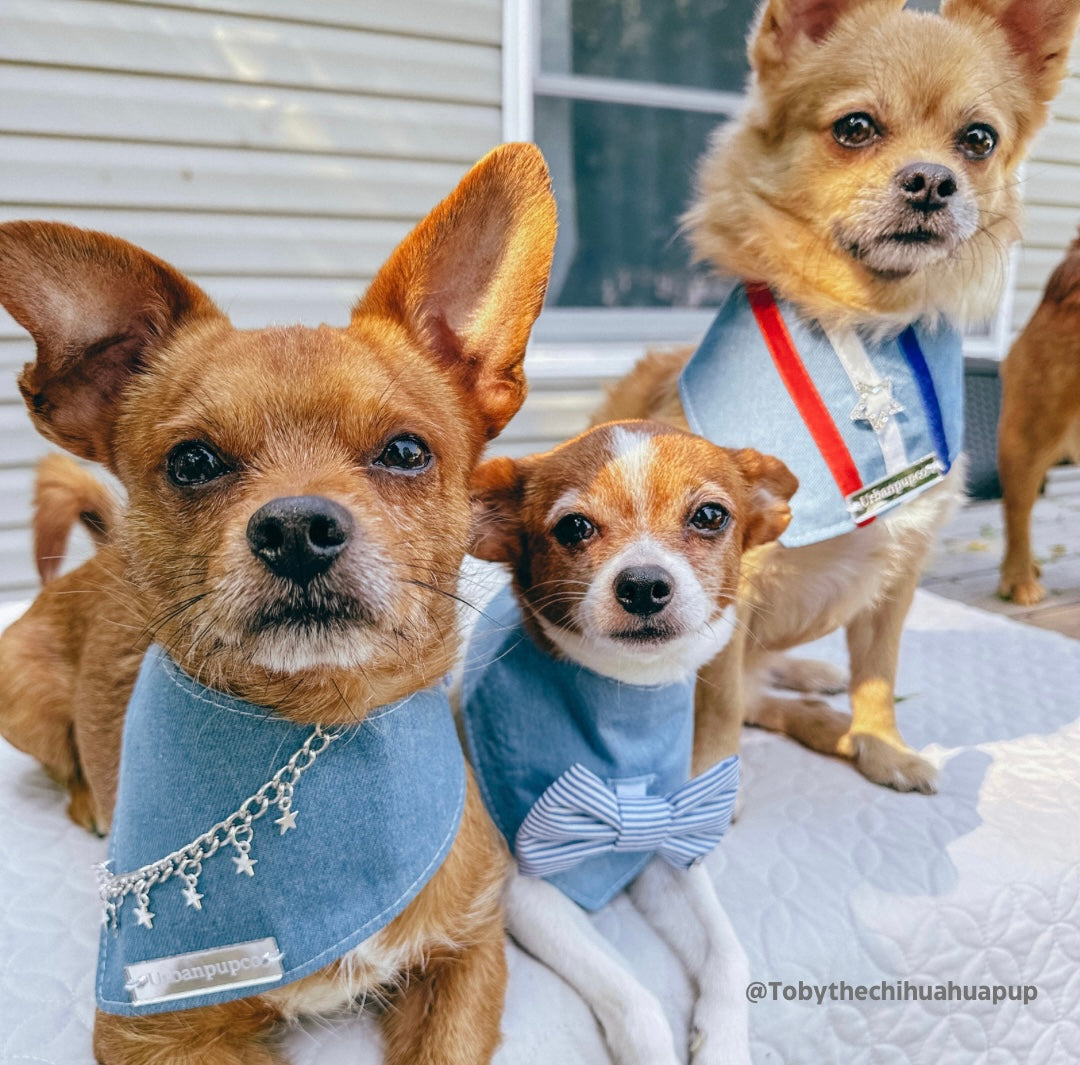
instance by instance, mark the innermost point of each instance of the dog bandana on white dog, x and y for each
(247, 851)
(864, 425)
(586, 777)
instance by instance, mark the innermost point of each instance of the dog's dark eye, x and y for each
(193, 463)
(406, 454)
(978, 141)
(856, 130)
(711, 518)
(573, 529)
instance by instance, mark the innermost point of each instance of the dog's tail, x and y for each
(65, 493)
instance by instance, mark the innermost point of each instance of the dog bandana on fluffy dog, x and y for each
(247, 851)
(586, 777)
(864, 425)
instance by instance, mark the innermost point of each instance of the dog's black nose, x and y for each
(298, 537)
(926, 186)
(644, 590)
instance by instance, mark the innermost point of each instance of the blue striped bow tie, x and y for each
(580, 817)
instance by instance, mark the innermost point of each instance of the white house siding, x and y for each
(275, 150)
(1051, 196)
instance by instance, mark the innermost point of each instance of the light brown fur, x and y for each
(779, 199)
(776, 185)
(133, 360)
(1040, 418)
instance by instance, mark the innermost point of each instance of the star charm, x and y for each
(876, 404)
(245, 864)
(144, 917)
(192, 896)
(287, 820)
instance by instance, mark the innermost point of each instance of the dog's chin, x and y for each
(297, 647)
(311, 629)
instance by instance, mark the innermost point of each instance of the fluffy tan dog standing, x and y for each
(871, 183)
(1040, 418)
(298, 508)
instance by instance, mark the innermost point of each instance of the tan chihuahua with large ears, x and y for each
(863, 205)
(298, 508)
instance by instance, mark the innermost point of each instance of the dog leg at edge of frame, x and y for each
(556, 931)
(684, 909)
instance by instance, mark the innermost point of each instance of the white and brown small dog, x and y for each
(578, 706)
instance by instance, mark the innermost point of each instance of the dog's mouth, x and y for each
(894, 242)
(645, 634)
(311, 609)
(913, 236)
(900, 253)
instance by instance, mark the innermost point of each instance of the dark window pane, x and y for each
(698, 43)
(623, 177)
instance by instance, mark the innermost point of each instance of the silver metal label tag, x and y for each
(884, 494)
(186, 975)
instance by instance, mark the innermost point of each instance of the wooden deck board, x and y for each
(965, 562)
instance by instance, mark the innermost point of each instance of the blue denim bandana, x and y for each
(357, 822)
(532, 720)
(896, 405)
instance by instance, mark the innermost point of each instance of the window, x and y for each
(622, 96)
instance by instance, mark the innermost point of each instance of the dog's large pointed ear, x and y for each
(469, 281)
(497, 490)
(784, 25)
(95, 306)
(1040, 33)
(771, 485)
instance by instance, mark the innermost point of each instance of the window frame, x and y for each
(572, 338)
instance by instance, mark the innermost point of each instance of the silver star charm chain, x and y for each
(234, 831)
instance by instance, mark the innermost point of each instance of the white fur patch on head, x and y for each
(632, 456)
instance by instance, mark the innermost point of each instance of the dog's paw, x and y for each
(807, 675)
(711, 1048)
(891, 764)
(641, 1035)
(1024, 592)
(698, 1039)
(83, 811)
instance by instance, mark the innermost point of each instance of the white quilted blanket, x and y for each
(825, 876)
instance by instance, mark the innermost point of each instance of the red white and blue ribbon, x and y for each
(815, 412)
(580, 817)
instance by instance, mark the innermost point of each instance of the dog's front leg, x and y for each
(684, 910)
(873, 741)
(233, 1033)
(719, 706)
(1032, 436)
(555, 930)
(449, 1013)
